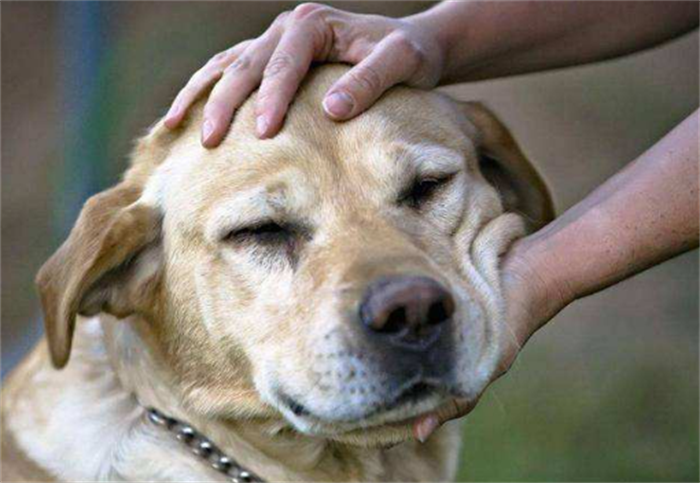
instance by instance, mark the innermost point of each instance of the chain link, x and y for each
(203, 448)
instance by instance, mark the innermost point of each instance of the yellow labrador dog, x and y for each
(288, 306)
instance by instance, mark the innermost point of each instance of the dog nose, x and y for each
(410, 309)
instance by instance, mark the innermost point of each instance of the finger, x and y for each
(424, 426)
(427, 424)
(238, 81)
(456, 408)
(393, 61)
(285, 71)
(201, 81)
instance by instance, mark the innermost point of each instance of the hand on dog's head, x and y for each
(344, 275)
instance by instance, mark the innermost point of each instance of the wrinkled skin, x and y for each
(240, 271)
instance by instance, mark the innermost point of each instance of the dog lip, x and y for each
(295, 406)
(412, 394)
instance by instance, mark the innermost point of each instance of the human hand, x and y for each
(644, 215)
(384, 51)
(531, 301)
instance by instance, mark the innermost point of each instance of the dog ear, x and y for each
(108, 263)
(504, 165)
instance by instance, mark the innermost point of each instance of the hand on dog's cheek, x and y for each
(523, 315)
(424, 426)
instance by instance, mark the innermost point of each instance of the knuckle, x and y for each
(418, 70)
(279, 63)
(241, 64)
(264, 99)
(281, 18)
(408, 49)
(308, 10)
(406, 45)
(367, 78)
(277, 26)
(218, 58)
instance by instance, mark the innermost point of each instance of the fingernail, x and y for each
(426, 427)
(339, 104)
(207, 130)
(261, 125)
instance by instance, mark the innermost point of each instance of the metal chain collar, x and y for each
(204, 448)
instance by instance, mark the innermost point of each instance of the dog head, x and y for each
(343, 275)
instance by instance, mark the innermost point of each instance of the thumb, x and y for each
(387, 65)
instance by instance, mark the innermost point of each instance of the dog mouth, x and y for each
(413, 394)
(407, 403)
(297, 408)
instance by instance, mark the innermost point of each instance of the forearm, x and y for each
(645, 214)
(484, 40)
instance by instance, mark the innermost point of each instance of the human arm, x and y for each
(645, 214)
(452, 42)
(486, 40)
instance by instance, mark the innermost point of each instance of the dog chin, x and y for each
(379, 428)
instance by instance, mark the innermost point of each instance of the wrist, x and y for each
(437, 25)
(532, 287)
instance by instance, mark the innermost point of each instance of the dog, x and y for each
(299, 301)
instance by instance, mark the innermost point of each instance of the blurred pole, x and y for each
(81, 49)
(83, 27)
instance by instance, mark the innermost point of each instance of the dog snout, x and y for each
(407, 310)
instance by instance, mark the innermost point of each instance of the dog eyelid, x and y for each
(267, 231)
(422, 189)
(262, 230)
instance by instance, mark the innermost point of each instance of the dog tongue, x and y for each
(424, 426)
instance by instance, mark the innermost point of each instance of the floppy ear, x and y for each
(504, 165)
(106, 264)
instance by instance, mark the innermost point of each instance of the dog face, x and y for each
(344, 276)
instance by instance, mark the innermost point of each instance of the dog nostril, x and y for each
(395, 322)
(440, 311)
(409, 306)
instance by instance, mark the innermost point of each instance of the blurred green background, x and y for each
(607, 392)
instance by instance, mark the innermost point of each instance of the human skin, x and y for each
(642, 216)
(453, 42)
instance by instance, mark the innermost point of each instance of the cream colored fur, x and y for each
(169, 311)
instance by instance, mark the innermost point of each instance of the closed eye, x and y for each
(266, 233)
(423, 190)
